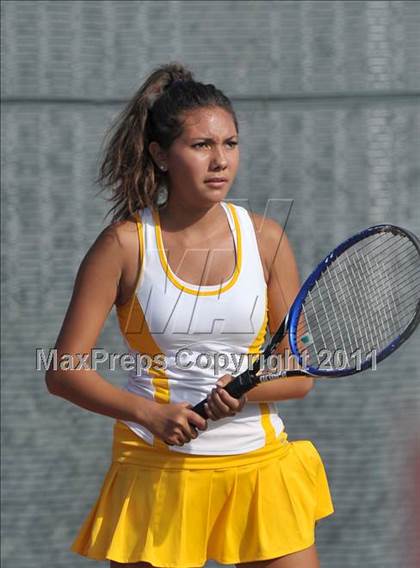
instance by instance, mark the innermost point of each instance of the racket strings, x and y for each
(345, 314)
(406, 275)
(382, 240)
(405, 260)
(386, 339)
(364, 299)
(381, 302)
(405, 283)
(392, 245)
(380, 323)
(364, 336)
(385, 335)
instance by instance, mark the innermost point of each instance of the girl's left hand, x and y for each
(219, 402)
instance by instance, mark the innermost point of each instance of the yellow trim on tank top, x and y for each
(202, 291)
(254, 348)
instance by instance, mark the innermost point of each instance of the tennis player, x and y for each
(196, 281)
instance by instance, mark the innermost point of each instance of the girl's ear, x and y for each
(158, 155)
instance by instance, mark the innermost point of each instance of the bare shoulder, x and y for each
(115, 239)
(272, 241)
(126, 234)
(115, 252)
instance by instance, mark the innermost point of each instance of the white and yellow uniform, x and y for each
(193, 328)
(240, 492)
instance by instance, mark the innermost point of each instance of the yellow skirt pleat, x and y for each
(178, 511)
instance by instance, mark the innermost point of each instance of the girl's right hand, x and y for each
(174, 423)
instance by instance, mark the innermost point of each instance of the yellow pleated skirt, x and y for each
(178, 511)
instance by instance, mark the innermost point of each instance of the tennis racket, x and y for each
(357, 307)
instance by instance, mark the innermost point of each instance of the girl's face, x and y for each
(207, 149)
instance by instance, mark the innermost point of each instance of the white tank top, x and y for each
(184, 326)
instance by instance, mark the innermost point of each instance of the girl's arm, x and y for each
(95, 291)
(283, 286)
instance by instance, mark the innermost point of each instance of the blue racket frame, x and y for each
(295, 310)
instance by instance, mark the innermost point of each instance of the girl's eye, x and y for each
(232, 144)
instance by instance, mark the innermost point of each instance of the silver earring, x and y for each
(163, 168)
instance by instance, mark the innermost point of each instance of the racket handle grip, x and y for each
(236, 388)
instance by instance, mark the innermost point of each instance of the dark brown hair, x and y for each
(153, 114)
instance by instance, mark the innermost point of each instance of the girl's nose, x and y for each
(219, 158)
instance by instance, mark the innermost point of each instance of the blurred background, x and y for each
(328, 99)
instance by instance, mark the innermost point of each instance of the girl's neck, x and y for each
(175, 217)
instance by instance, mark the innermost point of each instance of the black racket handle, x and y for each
(236, 388)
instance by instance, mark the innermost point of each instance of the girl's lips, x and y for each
(214, 183)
